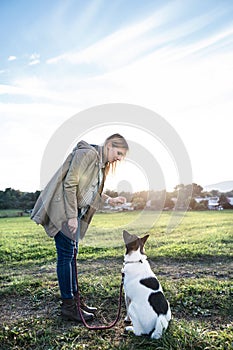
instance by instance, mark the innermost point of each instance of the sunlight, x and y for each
(152, 169)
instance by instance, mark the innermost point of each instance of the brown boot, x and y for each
(88, 309)
(69, 311)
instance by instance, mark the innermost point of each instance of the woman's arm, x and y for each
(77, 172)
(113, 200)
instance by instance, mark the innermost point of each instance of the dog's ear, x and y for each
(144, 239)
(126, 236)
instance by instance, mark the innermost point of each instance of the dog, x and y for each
(146, 305)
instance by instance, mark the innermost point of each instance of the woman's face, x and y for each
(115, 153)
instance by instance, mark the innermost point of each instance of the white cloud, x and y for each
(34, 62)
(34, 59)
(118, 48)
(12, 58)
(24, 134)
(32, 87)
(192, 92)
(155, 33)
(206, 43)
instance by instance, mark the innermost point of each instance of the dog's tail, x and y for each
(161, 325)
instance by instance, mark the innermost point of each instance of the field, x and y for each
(193, 263)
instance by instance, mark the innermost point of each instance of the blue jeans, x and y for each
(66, 272)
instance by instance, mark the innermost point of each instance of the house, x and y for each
(213, 202)
(123, 207)
(127, 206)
(230, 200)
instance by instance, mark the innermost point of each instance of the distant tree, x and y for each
(203, 205)
(158, 199)
(229, 193)
(205, 194)
(138, 202)
(192, 204)
(157, 204)
(143, 194)
(127, 195)
(169, 203)
(183, 195)
(196, 190)
(224, 202)
(192, 190)
(179, 187)
(111, 193)
(215, 193)
(15, 199)
(2, 202)
(27, 200)
(11, 198)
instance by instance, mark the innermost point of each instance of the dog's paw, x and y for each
(129, 329)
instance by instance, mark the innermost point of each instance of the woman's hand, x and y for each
(117, 201)
(73, 225)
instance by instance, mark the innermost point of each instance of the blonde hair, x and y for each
(117, 141)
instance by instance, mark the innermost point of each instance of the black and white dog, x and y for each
(147, 308)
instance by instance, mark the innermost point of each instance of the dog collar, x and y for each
(133, 262)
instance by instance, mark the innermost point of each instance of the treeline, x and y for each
(15, 199)
(182, 197)
(157, 200)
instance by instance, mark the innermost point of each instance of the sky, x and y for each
(174, 58)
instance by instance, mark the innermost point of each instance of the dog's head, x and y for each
(133, 243)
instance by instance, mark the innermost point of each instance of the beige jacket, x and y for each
(59, 201)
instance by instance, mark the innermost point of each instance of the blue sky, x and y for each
(60, 57)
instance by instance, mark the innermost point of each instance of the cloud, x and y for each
(207, 44)
(161, 58)
(12, 58)
(156, 33)
(177, 66)
(32, 63)
(118, 48)
(34, 59)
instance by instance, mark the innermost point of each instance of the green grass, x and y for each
(193, 263)
(4, 213)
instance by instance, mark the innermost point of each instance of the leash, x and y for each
(111, 325)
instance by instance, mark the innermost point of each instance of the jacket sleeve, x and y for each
(77, 171)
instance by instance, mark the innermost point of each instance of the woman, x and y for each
(67, 204)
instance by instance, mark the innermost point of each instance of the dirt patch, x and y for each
(194, 269)
(14, 308)
(23, 307)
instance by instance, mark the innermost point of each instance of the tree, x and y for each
(196, 190)
(229, 193)
(192, 204)
(203, 205)
(224, 202)
(169, 203)
(15, 199)
(111, 193)
(215, 193)
(183, 195)
(138, 202)
(127, 195)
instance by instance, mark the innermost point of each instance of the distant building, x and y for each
(123, 207)
(213, 202)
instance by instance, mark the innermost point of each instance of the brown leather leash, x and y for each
(111, 325)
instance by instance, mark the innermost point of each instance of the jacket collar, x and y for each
(100, 151)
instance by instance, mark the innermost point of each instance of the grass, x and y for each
(4, 213)
(193, 263)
